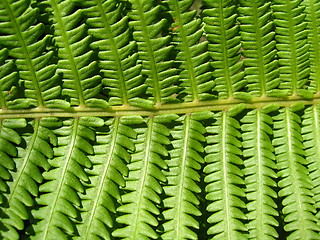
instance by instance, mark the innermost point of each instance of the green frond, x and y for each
(32, 159)
(118, 59)
(154, 50)
(109, 167)
(81, 81)
(21, 34)
(9, 138)
(259, 48)
(8, 80)
(260, 175)
(292, 46)
(193, 59)
(310, 133)
(159, 119)
(181, 202)
(312, 9)
(59, 194)
(294, 181)
(224, 179)
(222, 32)
(142, 191)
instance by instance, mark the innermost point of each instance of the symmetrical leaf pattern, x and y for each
(224, 179)
(159, 119)
(292, 45)
(143, 187)
(260, 175)
(27, 173)
(224, 45)
(182, 187)
(154, 50)
(107, 174)
(259, 46)
(59, 197)
(81, 82)
(118, 62)
(21, 33)
(192, 56)
(294, 181)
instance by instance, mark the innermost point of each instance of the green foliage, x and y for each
(147, 119)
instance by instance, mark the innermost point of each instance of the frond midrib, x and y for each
(176, 108)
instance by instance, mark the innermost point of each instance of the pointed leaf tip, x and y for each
(270, 108)
(297, 107)
(236, 110)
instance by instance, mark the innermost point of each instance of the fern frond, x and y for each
(292, 45)
(8, 138)
(154, 50)
(313, 18)
(259, 175)
(193, 58)
(118, 59)
(224, 179)
(310, 133)
(22, 35)
(259, 48)
(182, 187)
(8, 81)
(107, 175)
(59, 199)
(294, 181)
(142, 190)
(223, 35)
(81, 81)
(26, 175)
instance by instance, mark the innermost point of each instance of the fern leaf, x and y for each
(80, 79)
(59, 199)
(8, 81)
(260, 174)
(294, 182)
(9, 138)
(26, 175)
(183, 180)
(142, 190)
(293, 48)
(21, 34)
(193, 58)
(259, 48)
(154, 50)
(313, 19)
(224, 46)
(224, 179)
(118, 62)
(310, 133)
(107, 175)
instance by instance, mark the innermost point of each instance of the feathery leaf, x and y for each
(224, 179)
(224, 46)
(292, 45)
(294, 182)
